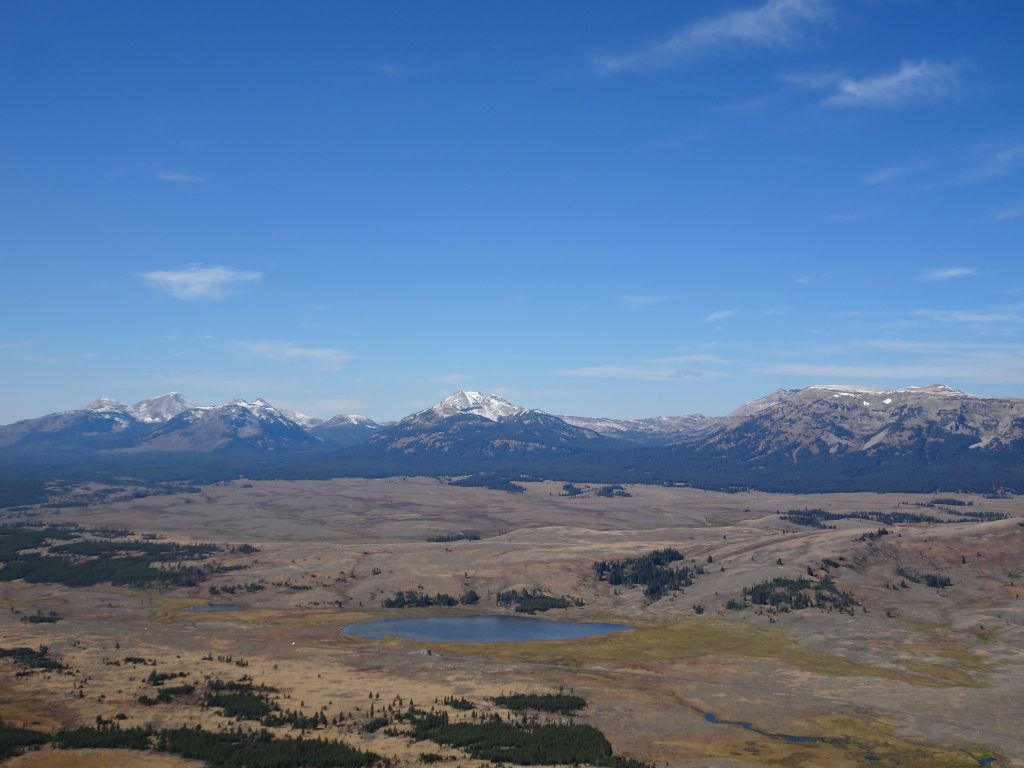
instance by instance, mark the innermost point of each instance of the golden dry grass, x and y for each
(913, 687)
(98, 758)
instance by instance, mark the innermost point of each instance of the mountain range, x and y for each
(827, 437)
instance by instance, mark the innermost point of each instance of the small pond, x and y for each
(216, 607)
(477, 629)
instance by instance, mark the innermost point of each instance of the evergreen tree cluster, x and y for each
(933, 580)
(219, 750)
(652, 571)
(448, 538)
(411, 598)
(30, 658)
(12, 739)
(261, 750)
(613, 492)
(520, 743)
(239, 699)
(787, 594)
(86, 562)
(817, 518)
(489, 480)
(534, 600)
(561, 703)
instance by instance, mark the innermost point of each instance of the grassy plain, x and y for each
(913, 677)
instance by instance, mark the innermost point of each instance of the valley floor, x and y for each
(911, 676)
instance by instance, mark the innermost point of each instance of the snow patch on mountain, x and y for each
(300, 418)
(347, 419)
(107, 405)
(490, 407)
(157, 410)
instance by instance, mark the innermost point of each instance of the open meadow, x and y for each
(902, 648)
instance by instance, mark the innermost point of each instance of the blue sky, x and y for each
(600, 208)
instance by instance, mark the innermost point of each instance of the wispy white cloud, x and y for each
(997, 316)
(948, 273)
(175, 177)
(920, 363)
(914, 81)
(915, 373)
(1008, 214)
(18, 344)
(722, 314)
(774, 24)
(737, 107)
(999, 162)
(681, 359)
(930, 346)
(631, 373)
(892, 173)
(813, 81)
(640, 300)
(861, 314)
(325, 357)
(198, 282)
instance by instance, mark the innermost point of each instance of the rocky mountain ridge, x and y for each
(819, 437)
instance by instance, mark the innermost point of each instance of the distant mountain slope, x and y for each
(835, 420)
(468, 424)
(345, 430)
(819, 438)
(660, 430)
(237, 425)
(103, 424)
(157, 410)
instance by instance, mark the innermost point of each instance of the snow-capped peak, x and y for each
(106, 404)
(259, 402)
(260, 408)
(300, 418)
(161, 408)
(490, 407)
(349, 418)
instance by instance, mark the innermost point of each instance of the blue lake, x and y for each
(477, 629)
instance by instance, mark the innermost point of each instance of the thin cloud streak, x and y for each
(1008, 214)
(892, 173)
(631, 373)
(198, 282)
(989, 368)
(5, 345)
(324, 357)
(173, 177)
(948, 273)
(722, 314)
(914, 81)
(775, 24)
(642, 300)
(812, 81)
(972, 316)
(678, 359)
(1000, 163)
